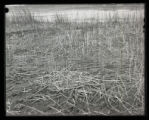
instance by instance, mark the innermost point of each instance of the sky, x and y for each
(75, 10)
(58, 7)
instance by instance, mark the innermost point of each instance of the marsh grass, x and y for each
(74, 68)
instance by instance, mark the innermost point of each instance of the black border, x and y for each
(70, 1)
(2, 50)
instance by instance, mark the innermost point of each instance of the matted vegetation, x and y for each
(70, 68)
